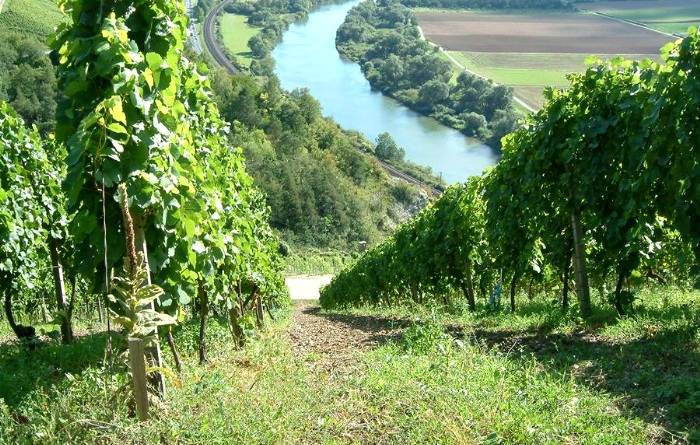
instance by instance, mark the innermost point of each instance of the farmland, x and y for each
(532, 50)
(671, 16)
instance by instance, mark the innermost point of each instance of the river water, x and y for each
(307, 58)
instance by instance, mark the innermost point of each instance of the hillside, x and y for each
(552, 300)
(37, 18)
(324, 187)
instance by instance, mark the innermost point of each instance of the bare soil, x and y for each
(537, 33)
(332, 342)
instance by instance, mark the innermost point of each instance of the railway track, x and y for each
(210, 39)
(408, 178)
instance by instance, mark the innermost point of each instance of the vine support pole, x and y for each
(138, 376)
(153, 353)
(582, 289)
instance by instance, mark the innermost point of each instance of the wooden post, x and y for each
(60, 286)
(154, 355)
(582, 289)
(138, 376)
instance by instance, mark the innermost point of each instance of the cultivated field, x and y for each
(671, 16)
(532, 50)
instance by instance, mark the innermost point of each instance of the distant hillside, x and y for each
(324, 187)
(27, 78)
(32, 17)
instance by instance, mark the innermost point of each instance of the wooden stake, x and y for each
(138, 376)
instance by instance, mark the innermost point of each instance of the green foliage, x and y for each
(305, 261)
(138, 112)
(387, 150)
(607, 172)
(426, 337)
(27, 179)
(384, 39)
(321, 183)
(32, 211)
(430, 258)
(132, 304)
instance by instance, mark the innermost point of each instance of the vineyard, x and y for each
(136, 208)
(600, 188)
(137, 200)
(35, 17)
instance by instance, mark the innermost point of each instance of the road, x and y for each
(306, 287)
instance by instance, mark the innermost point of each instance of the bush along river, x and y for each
(307, 58)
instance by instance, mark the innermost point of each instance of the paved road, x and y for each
(306, 287)
(191, 30)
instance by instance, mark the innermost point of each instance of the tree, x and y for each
(474, 123)
(387, 149)
(433, 92)
(28, 80)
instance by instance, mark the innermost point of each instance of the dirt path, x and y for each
(332, 343)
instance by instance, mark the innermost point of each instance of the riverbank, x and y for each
(308, 48)
(395, 59)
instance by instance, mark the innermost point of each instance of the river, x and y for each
(307, 58)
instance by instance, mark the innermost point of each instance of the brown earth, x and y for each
(537, 33)
(331, 343)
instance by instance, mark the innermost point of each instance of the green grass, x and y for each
(675, 28)
(235, 33)
(535, 377)
(668, 19)
(528, 73)
(35, 17)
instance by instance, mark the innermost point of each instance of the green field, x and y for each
(35, 17)
(235, 33)
(673, 17)
(528, 73)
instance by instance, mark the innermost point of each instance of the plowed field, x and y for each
(530, 51)
(538, 33)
